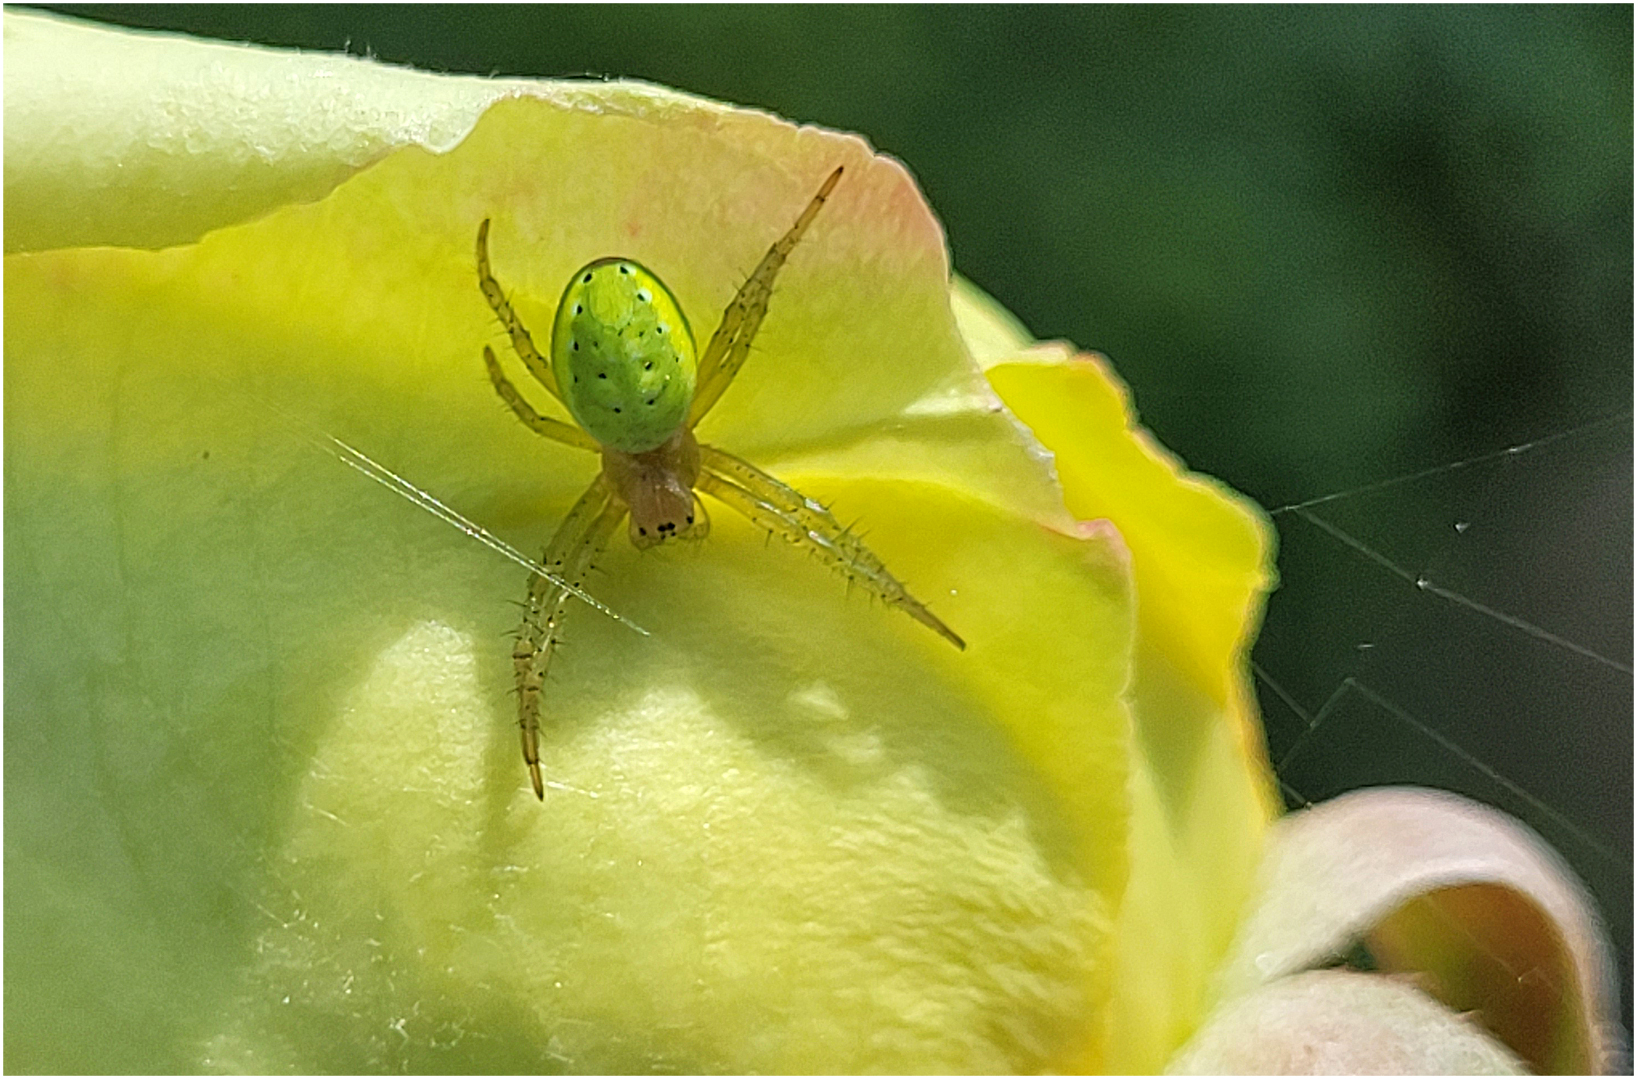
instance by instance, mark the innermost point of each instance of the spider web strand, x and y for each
(1570, 827)
(1425, 584)
(1437, 470)
(1444, 741)
(359, 461)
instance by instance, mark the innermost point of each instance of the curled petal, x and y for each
(1341, 1023)
(1487, 916)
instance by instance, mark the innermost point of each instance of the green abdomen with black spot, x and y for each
(623, 355)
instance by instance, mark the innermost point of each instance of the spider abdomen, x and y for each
(623, 355)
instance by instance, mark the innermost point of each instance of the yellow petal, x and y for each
(1201, 789)
(771, 844)
(263, 769)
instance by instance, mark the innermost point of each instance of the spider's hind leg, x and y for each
(522, 343)
(556, 430)
(731, 343)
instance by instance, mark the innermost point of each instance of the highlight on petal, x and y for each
(148, 140)
(1471, 905)
(263, 786)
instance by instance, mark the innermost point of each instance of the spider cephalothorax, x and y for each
(624, 364)
(657, 487)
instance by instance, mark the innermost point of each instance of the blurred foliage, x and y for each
(1325, 246)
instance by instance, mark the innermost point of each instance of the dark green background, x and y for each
(1326, 247)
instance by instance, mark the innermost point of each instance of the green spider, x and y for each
(623, 364)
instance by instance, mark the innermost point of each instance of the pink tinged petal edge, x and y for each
(265, 127)
(1334, 872)
(1339, 1023)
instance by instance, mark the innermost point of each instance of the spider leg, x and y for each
(522, 343)
(578, 541)
(780, 508)
(556, 430)
(726, 353)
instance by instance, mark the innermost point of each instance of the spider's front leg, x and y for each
(780, 508)
(578, 541)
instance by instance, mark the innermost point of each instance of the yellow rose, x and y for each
(264, 804)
